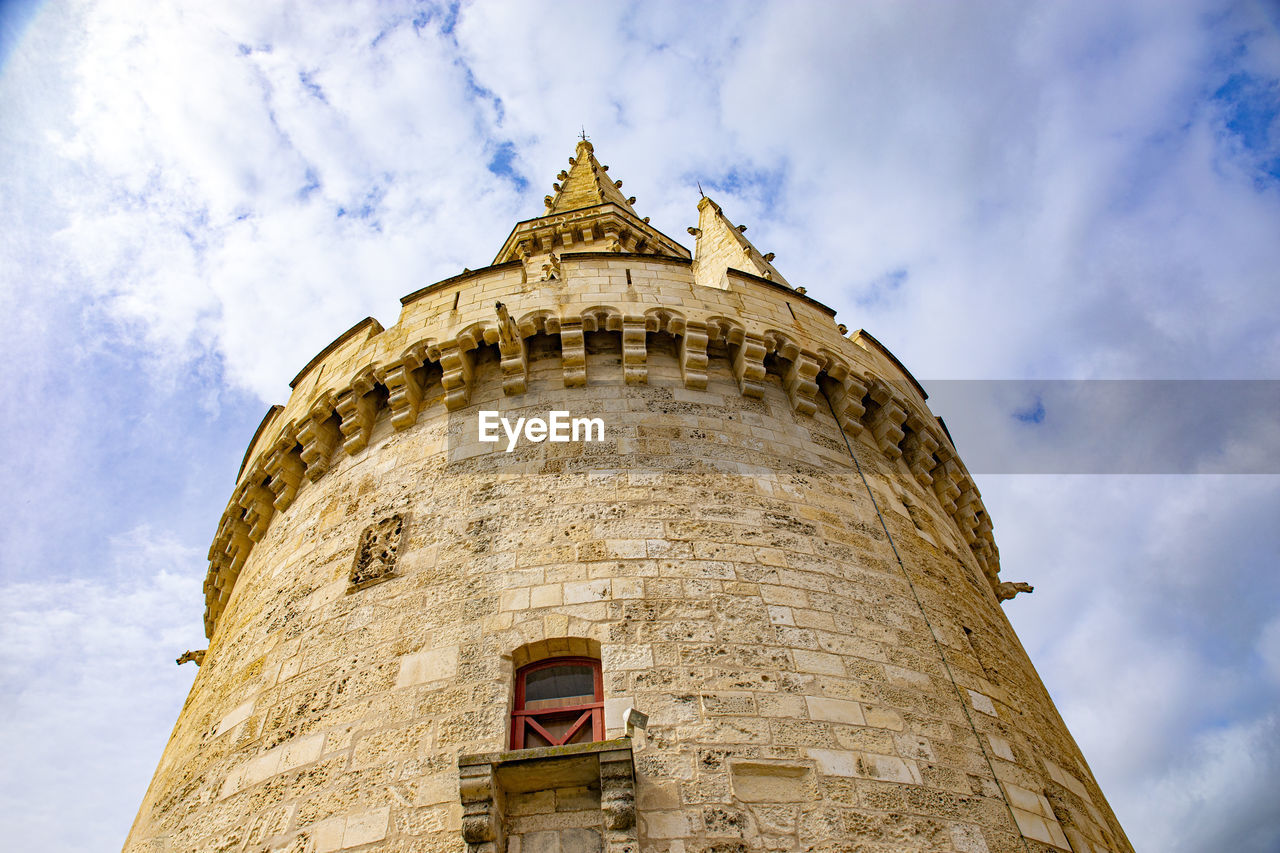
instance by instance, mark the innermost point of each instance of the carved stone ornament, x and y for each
(376, 553)
(1006, 590)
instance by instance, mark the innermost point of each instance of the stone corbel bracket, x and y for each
(515, 358)
(319, 435)
(799, 378)
(405, 381)
(693, 355)
(284, 468)
(482, 808)
(357, 407)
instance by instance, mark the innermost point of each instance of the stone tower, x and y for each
(756, 535)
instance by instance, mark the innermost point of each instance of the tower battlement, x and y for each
(760, 325)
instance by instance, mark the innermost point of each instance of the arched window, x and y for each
(558, 701)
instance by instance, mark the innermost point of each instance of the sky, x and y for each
(196, 197)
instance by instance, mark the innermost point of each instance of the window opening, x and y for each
(558, 701)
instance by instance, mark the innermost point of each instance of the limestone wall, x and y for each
(806, 690)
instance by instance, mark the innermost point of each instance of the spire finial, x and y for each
(583, 135)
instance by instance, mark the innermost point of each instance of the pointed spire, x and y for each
(586, 212)
(722, 246)
(586, 184)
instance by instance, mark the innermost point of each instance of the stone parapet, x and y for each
(427, 358)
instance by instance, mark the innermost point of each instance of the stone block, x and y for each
(586, 591)
(1001, 747)
(302, 751)
(427, 666)
(1067, 780)
(514, 599)
(615, 658)
(262, 767)
(818, 663)
(234, 717)
(1037, 828)
(367, 827)
(982, 702)
(1028, 800)
(884, 718)
(327, 834)
(548, 595)
(779, 615)
(772, 782)
(835, 710)
(668, 824)
(889, 768)
(835, 762)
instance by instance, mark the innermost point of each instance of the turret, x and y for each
(752, 604)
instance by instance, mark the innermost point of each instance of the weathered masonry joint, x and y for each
(771, 553)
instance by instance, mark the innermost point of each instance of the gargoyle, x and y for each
(551, 269)
(197, 656)
(1006, 590)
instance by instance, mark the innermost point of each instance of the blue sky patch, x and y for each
(304, 77)
(500, 164)
(15, 15)
(1033, 413)
(882, 289)
(748, 182)
(1250, 106)
(312, 184)
(368, 207)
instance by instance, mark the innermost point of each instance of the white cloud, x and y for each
(89, 691)
(1152, 594)
(237, 165)
(1224, 789)
(997, 190)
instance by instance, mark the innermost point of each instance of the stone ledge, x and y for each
(571, 764)
(485, 780)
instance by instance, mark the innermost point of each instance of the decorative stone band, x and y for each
(887, 408)
(584, 228)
